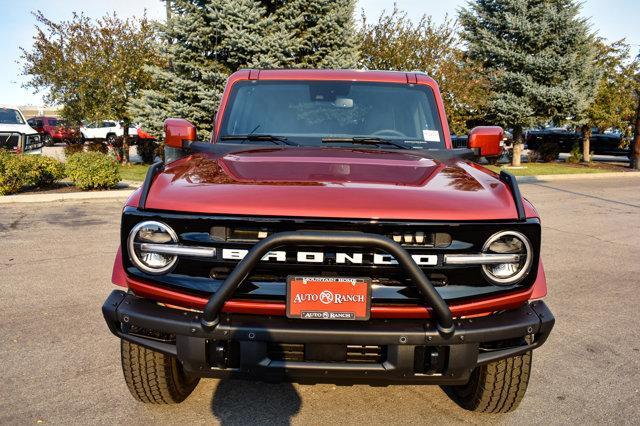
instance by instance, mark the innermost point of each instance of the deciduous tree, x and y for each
(92, 68)
(614, 103)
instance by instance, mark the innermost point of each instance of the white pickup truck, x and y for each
(107, 130)
(15, 133)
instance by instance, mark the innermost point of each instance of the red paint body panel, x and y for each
(119, 276)
(475, 307)
(331, 183)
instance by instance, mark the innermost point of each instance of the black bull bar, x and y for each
(442, 313)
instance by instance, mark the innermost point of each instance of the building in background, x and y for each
(37, 110)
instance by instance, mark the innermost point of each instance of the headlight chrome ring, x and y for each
(523, 267)
(131, 246)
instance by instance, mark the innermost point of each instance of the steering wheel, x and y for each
(389, 132)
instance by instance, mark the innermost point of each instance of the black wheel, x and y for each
(494, 388)
(154, 378)
(47, 140)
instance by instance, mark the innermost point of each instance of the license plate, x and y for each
(328, 298)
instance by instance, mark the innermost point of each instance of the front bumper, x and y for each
(405, 351)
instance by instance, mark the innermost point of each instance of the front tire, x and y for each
(153, 377)
(47, 140)
(497, 387)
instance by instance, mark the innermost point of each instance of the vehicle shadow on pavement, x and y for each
(239, 402)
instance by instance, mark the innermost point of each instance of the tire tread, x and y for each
(153, 377)
(498, 387)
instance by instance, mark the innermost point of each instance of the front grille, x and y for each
(418, 238)
(9, 140)
(267, 281)
(12, 141)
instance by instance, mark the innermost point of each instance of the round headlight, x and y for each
(151, 232)
(508, 242)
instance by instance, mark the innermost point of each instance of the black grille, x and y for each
(299, 352)
(268, 279)
(285, 351)
(9, 140)
(365, 354)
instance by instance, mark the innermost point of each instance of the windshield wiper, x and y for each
(366, 140)
(258, 137)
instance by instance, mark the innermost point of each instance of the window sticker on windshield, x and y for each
(431, 135)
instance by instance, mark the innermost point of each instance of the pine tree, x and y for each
(323, 32)
(206, 40)
(539, 57)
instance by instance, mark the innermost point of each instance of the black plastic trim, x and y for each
(401, 338)
(512, 183)
(224, 148)
(153, 170)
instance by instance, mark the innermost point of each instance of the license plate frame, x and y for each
(328, 298)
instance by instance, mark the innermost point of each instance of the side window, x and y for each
(39, 123)
(108, 124)
(31, 122)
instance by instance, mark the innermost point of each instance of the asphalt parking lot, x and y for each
(60, 365)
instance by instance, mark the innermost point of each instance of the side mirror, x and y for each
(177, 131)
(485, 140)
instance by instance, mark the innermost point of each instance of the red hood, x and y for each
(331, 183)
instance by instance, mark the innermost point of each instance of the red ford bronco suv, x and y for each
(329, 232)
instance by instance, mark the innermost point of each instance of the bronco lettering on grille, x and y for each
(340, 258)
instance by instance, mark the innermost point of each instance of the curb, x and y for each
(69, 196)
(576, 176)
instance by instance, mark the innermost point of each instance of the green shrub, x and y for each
(93, 170)
(15, 174)
(97, 147)
(73, 148)
(47, 170)
(549, 152)
(146, 149)
(20, 171)
(575, 156)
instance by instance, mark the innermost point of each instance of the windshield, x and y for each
(306, 112)
(10, 116)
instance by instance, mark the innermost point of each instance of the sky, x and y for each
(613, 19)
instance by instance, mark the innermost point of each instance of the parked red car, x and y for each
(329, 233)
(53, 130)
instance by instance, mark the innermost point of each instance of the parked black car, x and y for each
(601, 143)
